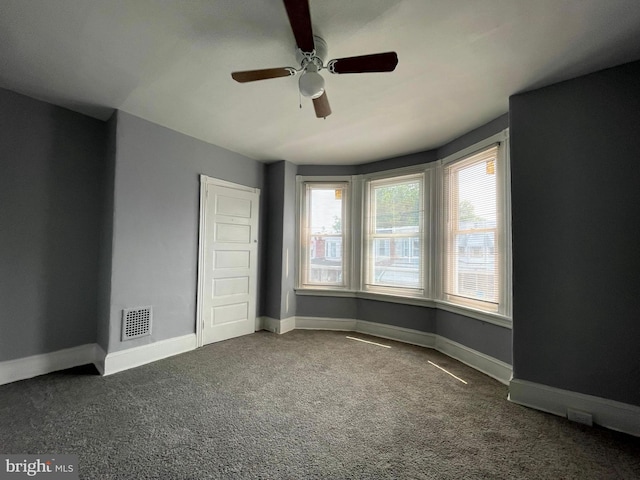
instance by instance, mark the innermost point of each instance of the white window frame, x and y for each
(503, 314)
(433, 237)
(347, 230)
(369, 237)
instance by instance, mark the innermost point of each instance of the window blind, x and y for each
(472, 229)
(323, 234)
(394, 239)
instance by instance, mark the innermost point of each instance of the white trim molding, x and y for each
(482, 362)
(279, 326)
(391, 332)
(490, 366)
(35, 365)
(100, 357)
(134, 357)
(618, 416)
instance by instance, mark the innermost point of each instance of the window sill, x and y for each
(493, 318)
(325, 292)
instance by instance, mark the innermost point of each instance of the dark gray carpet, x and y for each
(302, 405)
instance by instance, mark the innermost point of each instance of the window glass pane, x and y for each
(477, 197)
(476, 266)
(397, 207)
(395, 233)
(324, 237)
(472, 260)
(395, 264)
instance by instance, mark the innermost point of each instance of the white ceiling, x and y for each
(170, 62)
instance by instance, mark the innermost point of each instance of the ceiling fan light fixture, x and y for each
(311, 84)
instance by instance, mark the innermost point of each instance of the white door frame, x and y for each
(204, 182)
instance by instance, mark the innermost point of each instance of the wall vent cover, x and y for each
(136, 322)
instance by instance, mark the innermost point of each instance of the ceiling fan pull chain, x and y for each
(300, 99)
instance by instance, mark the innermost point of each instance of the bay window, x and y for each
(436, 234)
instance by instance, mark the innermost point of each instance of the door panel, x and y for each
(227, 232)
(234, 207)
(230, 259)
(230, 286)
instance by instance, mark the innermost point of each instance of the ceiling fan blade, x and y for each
(253, 75)
(300, 20)
(377, 62)
(321, 106)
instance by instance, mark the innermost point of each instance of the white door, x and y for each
(230, 262)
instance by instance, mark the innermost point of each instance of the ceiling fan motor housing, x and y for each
(320, 53)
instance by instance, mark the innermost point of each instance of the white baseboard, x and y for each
(405, 335)
(493, 367)
(270, 324)
(287, 324)
(482, 362)
(608, 413)
(29, 367)
(137, 356)
(279, 326)
(259, 323)
(100, 357)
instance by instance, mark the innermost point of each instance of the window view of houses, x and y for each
(472, 241)
(395, 238)
(476, 266)
(393, 241)
(325, 245)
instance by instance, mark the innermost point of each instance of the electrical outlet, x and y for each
(579, 416)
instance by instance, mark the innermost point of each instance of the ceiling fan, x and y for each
(310, 53)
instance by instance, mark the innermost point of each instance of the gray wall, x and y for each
(275, 206)
(50, 220)
(320, 170)
(398, 162)
(280, 299)
(106, 236)
(397, 314)
(329, 307)
(289, 240)
(474, 136)
(379, 166)
(484, 337)
(156, 220)
(575, 155)
(490, 339)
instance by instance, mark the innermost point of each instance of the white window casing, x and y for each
(474, 247)
(394, 240)
(324, 233)
(445, 254)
